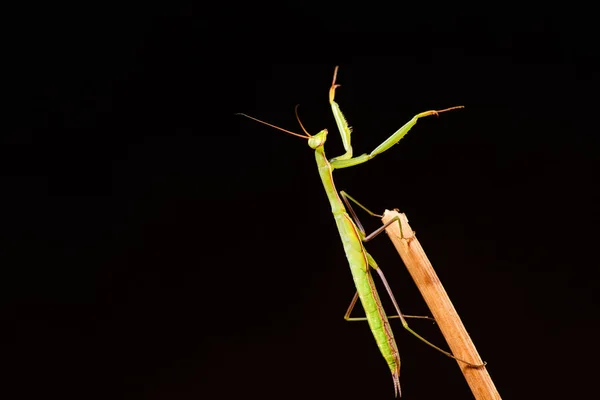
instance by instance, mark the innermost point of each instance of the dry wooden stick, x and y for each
(441, 307)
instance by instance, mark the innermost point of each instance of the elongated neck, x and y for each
(325, 172)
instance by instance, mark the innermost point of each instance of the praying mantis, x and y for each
(353, 234)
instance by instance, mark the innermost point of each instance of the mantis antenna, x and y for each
(274, 126)
(300, 122)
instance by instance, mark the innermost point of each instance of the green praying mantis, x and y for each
(353, 234)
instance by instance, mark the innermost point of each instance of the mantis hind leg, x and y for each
(374, 265)
(353, 303)
(365, 238)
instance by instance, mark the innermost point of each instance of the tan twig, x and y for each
(440, 306)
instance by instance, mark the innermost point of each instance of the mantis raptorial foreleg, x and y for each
(346, 160)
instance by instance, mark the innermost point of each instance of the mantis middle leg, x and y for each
(365, 238)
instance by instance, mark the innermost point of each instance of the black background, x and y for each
(156, 246)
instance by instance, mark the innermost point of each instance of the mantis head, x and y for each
(314, 141)
(317, 140)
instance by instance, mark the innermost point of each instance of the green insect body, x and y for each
(353, 235)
